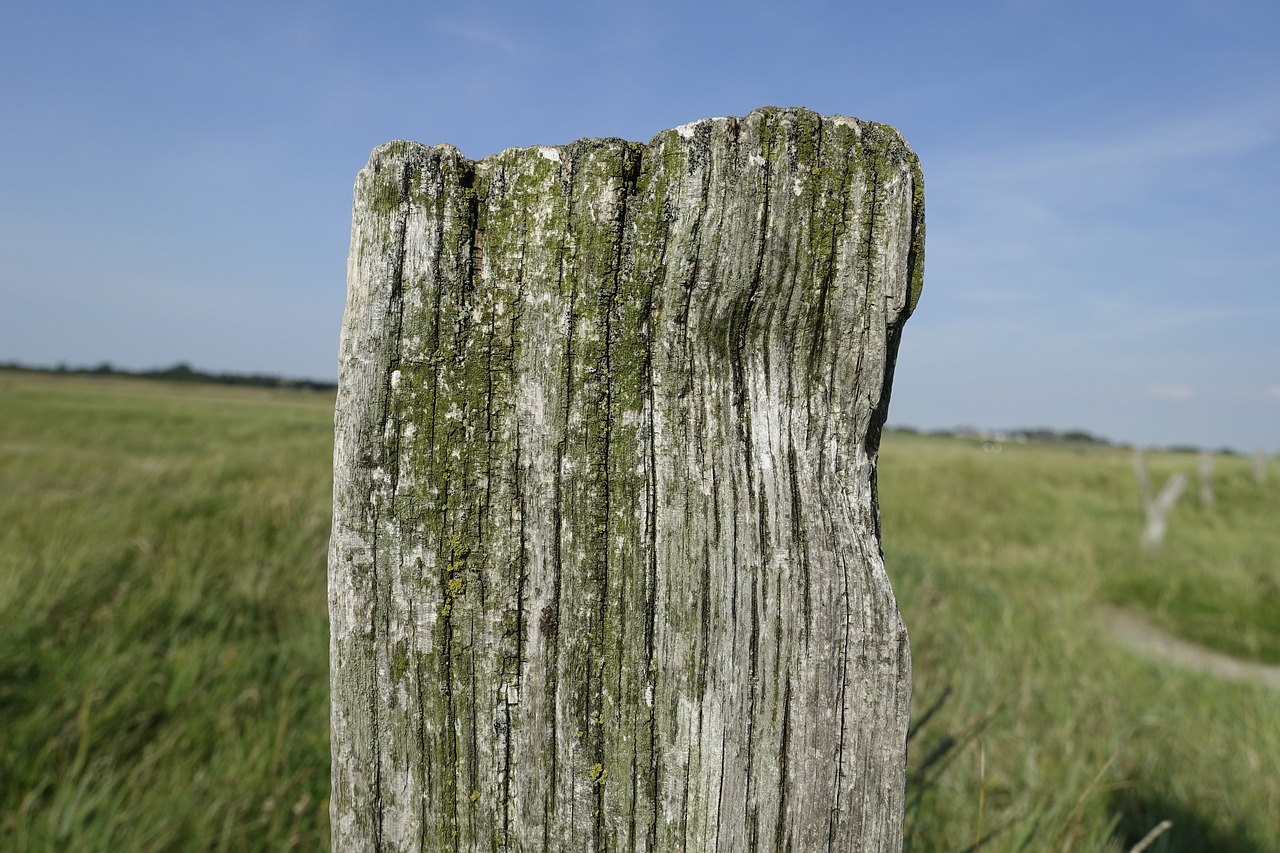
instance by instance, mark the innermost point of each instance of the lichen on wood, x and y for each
(605, 571)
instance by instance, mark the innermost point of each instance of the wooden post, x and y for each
(1157, 508)
(1206, 479)
(605, 571)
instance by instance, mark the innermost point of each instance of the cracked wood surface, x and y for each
(605, 571)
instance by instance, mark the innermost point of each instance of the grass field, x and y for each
(163, 627)
(1003, 565)
(164, 643)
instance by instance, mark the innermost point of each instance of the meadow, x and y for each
(164, 640)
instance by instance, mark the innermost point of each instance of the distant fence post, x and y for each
(605, 571)
(1157, 508)
(1260, 460)
(1206, 479)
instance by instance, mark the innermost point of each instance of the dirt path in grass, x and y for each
(1138, 634)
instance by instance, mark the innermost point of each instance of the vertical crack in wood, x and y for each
(652, 319)
(390, 427)
(780, 840)
(516, 678)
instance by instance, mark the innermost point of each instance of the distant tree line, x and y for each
(1042, 435)
(180, 372)
(1045, 435)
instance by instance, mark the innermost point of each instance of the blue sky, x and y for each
(1102, 178)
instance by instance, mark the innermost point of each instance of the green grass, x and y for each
(1003, 565)
(164, 644)
(163, 634)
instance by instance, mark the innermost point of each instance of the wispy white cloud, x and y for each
(1003, 297)
(1097, 204)
(1095, 232)
(488, 38)
(1114, 161)
(1171, 392)
(1257, 394)
(1122, 316)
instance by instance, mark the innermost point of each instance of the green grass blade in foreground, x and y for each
(163, 662)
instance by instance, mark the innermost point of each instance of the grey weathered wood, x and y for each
(1157, 508)
(1206, 479)
(605, 571)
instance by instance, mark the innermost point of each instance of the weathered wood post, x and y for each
(605, 570)
(1206, 479)
(1157, 508)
